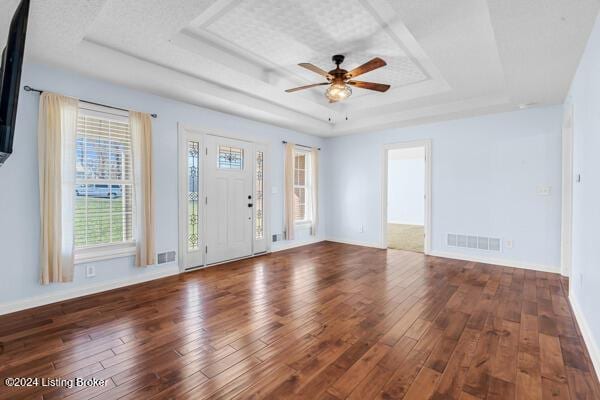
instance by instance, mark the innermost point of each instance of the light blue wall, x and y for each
(19, 209)
(485, 171)
(585, 273)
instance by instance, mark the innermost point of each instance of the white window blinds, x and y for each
(103, 180)
(301, 186)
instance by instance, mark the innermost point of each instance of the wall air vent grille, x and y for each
(166, 257)
(473, 242)
(483, 243)
(452, 240)
(494, 244)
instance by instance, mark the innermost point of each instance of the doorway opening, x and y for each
(407, 194)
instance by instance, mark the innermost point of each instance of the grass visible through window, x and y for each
(97, 230)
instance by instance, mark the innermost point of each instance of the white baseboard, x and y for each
(496, 261)
(590, 343)
(285, 245)
(355, 242)
(164, 271)
(458, 256)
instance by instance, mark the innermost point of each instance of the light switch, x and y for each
(274, 190)
(543, 190)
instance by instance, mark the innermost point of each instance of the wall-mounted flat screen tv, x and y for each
(10, 78)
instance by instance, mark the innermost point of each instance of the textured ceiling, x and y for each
(445, 58)
(281, 33)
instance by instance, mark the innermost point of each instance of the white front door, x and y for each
(229, 199)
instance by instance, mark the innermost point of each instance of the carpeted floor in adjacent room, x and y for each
(406, 237)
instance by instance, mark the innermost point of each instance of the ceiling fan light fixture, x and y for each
(338, 92)
(340, 80)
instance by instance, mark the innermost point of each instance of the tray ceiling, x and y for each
(445, 59)
(279, 34)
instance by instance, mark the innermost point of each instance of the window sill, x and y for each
(99, 253)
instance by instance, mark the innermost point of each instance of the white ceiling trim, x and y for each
(238, 84)
(199, 91)
(391, 21)
(403, 117)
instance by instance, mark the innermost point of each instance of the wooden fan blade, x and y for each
(380, 87)
(316, 69)
(366, 67)
(306, 87)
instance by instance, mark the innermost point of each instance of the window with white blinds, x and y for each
(302, 186)
(103, 180)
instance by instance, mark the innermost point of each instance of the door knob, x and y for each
(249, 204)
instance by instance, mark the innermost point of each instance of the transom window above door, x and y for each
(230, 157)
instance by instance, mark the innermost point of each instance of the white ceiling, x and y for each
(446, 59)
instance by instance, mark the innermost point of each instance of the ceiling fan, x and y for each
(340, 80)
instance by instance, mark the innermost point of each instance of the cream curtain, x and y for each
(140, 126)
(314, 160)
(57, 132)
(288, 218)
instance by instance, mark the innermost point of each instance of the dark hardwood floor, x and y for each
(326, 321)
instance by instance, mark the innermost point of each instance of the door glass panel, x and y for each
(193, 195)
(259, 202)
(230, 157)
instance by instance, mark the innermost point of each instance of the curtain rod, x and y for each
(30, 89)
(300, 145)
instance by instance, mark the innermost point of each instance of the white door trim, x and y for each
(182, 130)
(566, 230)
(426, 144)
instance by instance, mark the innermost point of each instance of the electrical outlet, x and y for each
(508, 244)
(90, 271)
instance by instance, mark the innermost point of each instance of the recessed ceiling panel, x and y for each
(284, 33)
